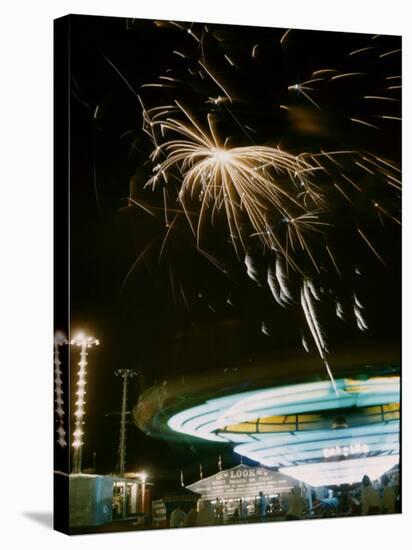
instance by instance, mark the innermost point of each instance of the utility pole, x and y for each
(125, 374)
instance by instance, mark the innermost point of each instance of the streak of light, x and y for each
(332, 258)
(385, 212)
(360, 50)
(380, 97)
(350, 181)
(121, 76)
(323, 71)
(180, 54)
(139, 258)
(191, 33)
(215, 80)
(390, 53)
(169, 229)
(156, 85)
(359, 121)
(365, 238)
(316, 331)
(165, 206)
(265, 329)
(339, 310)
(141, 205)
(342, 192)
(229, 60)
(346, 75)
(284, 36)
(274, 286)
(305, 344)
(364, 167)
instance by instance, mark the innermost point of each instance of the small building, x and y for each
(242, 487)
(97, 499)
(90, 500)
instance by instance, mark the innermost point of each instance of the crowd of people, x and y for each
(366, 499)
(380, 497)
(383, 500)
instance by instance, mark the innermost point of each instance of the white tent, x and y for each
(243, 482)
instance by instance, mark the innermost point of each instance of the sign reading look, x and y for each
(242, 481)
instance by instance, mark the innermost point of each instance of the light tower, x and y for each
(59, 340)
(125, 374)
(83, 342)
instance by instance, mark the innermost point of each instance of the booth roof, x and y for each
(182, 494)
(243, 482)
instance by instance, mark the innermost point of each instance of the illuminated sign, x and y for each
(301, 447)
(242, 481)
(356, 449)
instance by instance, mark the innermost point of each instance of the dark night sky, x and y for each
(140, 325)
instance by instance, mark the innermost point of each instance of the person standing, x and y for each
(191, 518)
(388, 496)
(262, 506)
(296, 505)
(243, 509)
(219, 511)
(205, 515)
(371, 501)
(177, 517)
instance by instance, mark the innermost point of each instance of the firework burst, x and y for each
(290, 200)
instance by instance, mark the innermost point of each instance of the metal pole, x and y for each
(143, 493)
(123, 427)
(125, 374)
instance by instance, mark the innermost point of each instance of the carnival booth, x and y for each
(243, 493)
(162, 508)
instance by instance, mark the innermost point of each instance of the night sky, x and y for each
(171, 317)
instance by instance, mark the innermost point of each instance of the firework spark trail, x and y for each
(282, 280)
(368, 242)
(305, 344)
(357, 310)
(251, 269)
(300, 88)
(339, 310)
(274, 286)
(315, 329)
(284, 36)
(361, 50)
(216, 81)
(265, 328)
(359, 121)
(139, 258)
